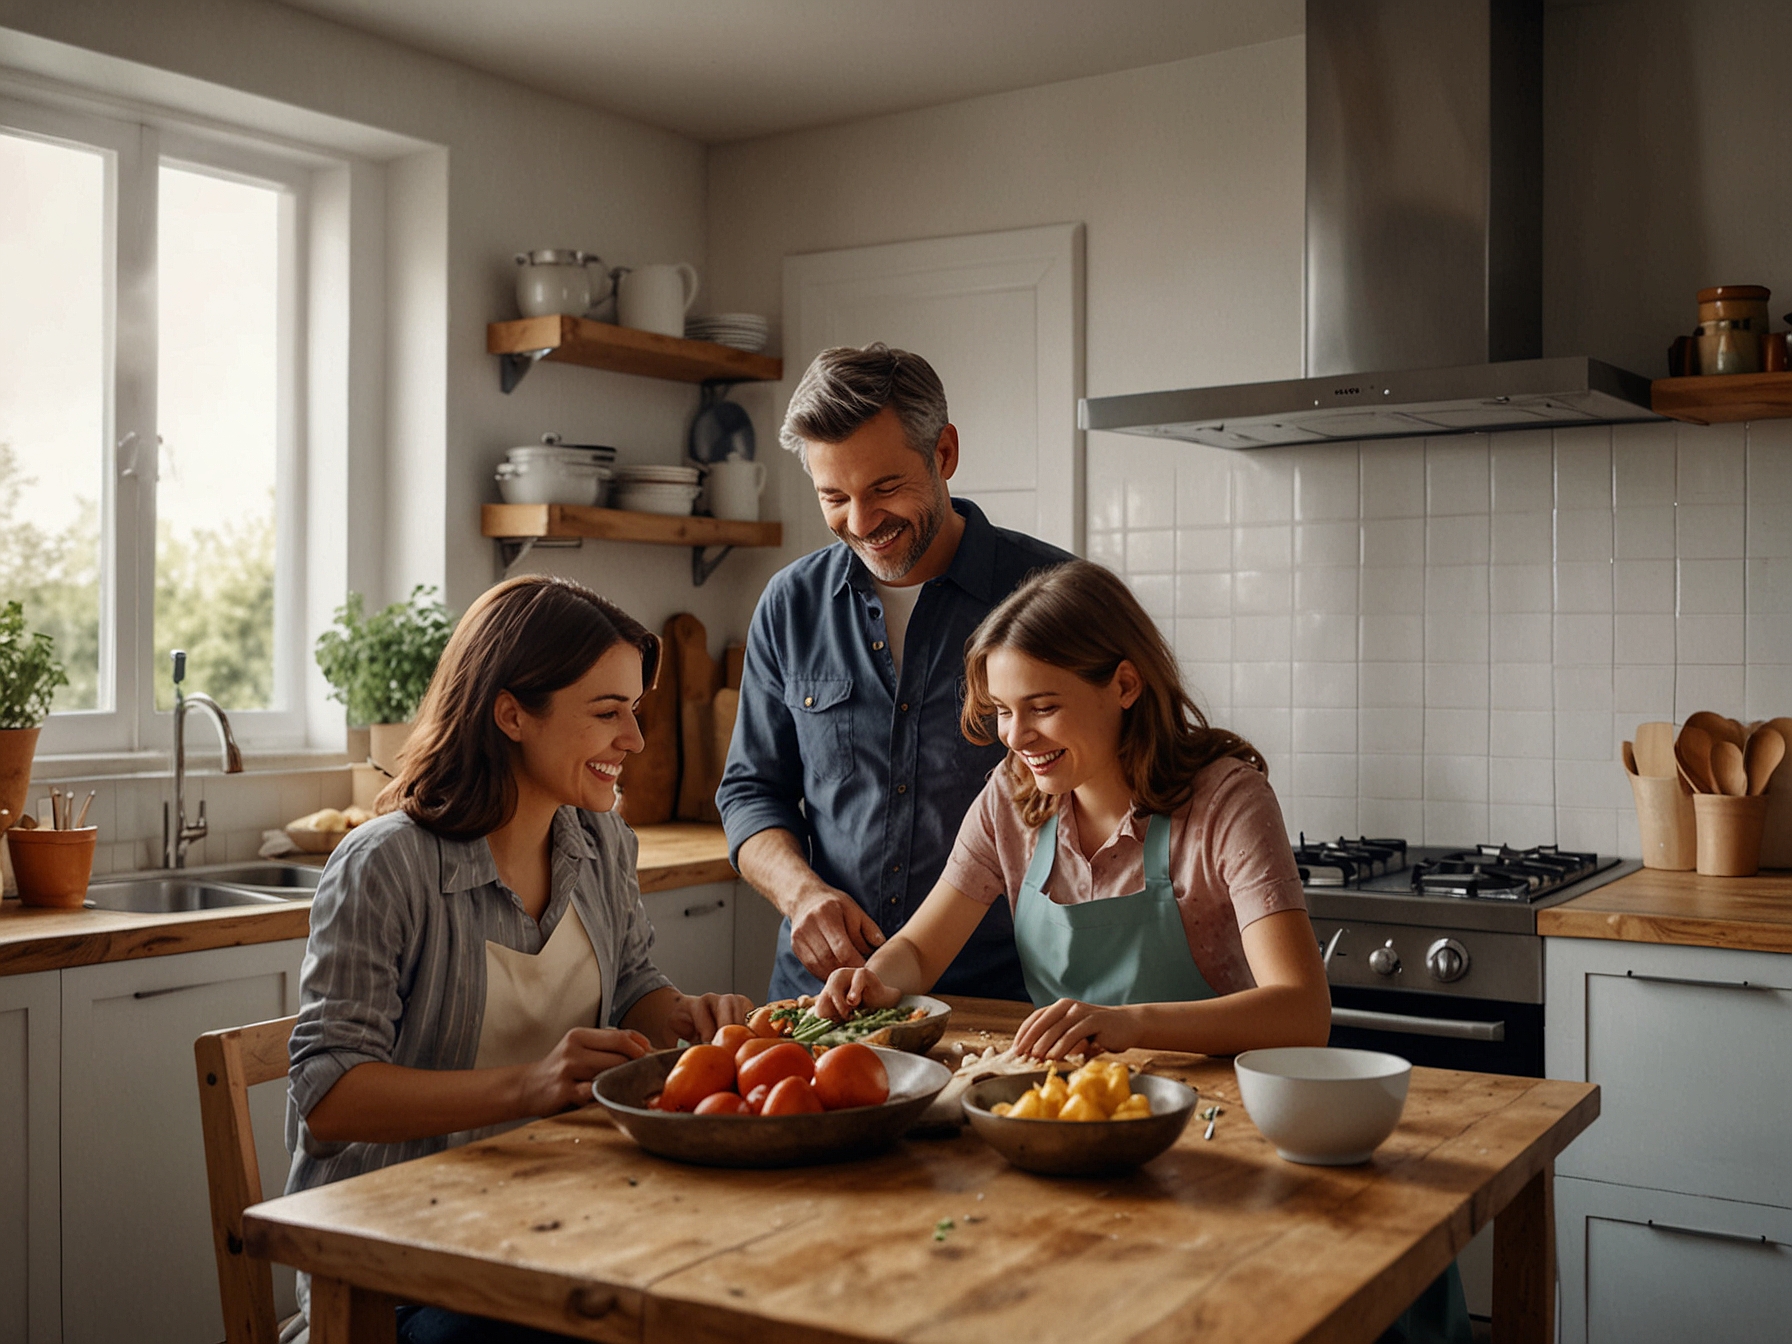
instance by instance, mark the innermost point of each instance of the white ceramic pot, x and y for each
(559, 280)
(551, 482)
(656, 298)
(734, 488)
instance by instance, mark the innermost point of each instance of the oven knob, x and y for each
(1447, 960)
(1384, 960)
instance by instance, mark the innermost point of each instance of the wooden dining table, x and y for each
(564, 1224)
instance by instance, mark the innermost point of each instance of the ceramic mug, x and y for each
(734, 488)
(656, 298)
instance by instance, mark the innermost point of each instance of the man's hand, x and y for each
(828, 930)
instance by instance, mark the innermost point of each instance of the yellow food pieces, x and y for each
(1097, 1091)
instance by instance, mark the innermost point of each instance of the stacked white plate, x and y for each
(738, 331)
(645, 489)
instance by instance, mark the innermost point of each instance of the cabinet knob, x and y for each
(1384, 960)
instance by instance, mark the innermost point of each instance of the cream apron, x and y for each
(531, 1001)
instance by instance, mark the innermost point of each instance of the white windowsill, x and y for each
(201, 760)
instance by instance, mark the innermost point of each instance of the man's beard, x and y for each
(893, 568)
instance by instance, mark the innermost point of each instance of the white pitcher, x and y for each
(656, 298)
(734, 488)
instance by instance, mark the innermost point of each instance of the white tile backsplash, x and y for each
(1448, 638)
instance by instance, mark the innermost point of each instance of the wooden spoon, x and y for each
(1655, 750)
(1727, 768)
(1719, 728)
(1692, 750)
(1766, 749)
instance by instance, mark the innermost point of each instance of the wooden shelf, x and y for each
(513, 522)
(600, 345)
(1723, 398)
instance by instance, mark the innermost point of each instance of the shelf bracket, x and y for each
(512, 549)
(702, 566)
(512, 368)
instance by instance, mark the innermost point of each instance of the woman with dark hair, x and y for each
(479, 953)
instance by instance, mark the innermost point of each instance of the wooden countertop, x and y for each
(1752, 914)
(568, 1226)
(682, 854)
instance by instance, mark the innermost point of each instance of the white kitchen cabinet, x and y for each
(693, 936)
(30, 1233)
(1692, 1050)
(1642, 1266)
(756, 924)
(136, 1223)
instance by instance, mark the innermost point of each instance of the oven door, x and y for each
(1441, 1031)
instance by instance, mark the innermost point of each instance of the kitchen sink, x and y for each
(170, 895)
(297, 878)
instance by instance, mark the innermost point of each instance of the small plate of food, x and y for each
(768, 1101)
(915, 1024)
(321, 831)
(1101, 1118)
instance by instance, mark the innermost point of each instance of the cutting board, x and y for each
(724, 710)
(650, 777)
(698, 771)
(734, 662)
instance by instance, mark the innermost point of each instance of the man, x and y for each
(849, 775)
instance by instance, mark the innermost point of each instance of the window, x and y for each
(150, 456)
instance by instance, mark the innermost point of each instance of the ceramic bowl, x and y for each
(672, 499)
(1079, 1147)
(540, 482)
(1323, 1106)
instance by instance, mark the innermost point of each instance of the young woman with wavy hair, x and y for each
(1155, 896)
(479, 952)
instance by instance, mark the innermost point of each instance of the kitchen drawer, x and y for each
(1692, 1051)
(1640, 1266)
(693, 936)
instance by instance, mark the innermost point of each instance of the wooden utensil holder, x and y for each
(1776, 835)
(1729, 833)
(1665, 822)
(52, 867)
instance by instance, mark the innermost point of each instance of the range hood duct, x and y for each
(1424, 245)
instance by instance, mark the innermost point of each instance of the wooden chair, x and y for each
(230, 1063)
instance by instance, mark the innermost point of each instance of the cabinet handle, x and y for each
(1419, 1026)
(706, 908)
(1750, 1239)
(1686, 980)
(158, 993)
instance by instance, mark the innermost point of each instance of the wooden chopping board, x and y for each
(725, 708)
(650, 778)
(698, 772)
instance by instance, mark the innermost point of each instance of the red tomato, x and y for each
(732, 1037)
(722, 1103)
(791, 1096)
(761, 1024)
(653, 1102)
(851, 1075)
(786, 1059)
(756, 1098)
(758, 1045)
(700, 1071)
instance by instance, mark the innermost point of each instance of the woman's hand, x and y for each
(1070, 1027)
(854, 987)
(697, 1017)
(562, 1078)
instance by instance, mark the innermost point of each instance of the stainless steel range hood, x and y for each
(1424, 246)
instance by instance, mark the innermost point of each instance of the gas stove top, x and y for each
(1483, 872)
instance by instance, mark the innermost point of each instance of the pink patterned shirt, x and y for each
(1230, 862)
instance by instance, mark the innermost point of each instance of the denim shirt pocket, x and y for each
(821, 708)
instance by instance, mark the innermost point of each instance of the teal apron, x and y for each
(1134, 949)
(1125, 949)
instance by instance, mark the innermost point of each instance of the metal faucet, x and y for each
(176, 837)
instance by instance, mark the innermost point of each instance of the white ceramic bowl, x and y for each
(672, 499)
(1320, 1105)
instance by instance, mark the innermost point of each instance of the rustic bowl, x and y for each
(1322, 1105)
(314, 842)
(1079, 1147)
(766, 1140)
(922, 1034)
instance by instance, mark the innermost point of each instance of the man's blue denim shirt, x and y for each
(873, 773)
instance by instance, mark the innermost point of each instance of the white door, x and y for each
(1000, 318)
(138, 1263)
(30, 1243)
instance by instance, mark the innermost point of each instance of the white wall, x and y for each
(517, 169)
(1442, 639)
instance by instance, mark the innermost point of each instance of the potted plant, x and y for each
(380, 665)
(29, 675)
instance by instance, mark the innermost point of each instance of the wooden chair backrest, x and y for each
(230, 1063)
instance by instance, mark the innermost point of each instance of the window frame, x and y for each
(126, 722)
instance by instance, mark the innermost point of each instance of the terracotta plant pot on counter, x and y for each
(52, 867)
(18, 748)
(386, 744)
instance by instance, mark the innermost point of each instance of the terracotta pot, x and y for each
(359, 744)
(386, 745)
(18, 747)
(52, 867)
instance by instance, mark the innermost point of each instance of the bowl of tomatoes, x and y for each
(768, 1101)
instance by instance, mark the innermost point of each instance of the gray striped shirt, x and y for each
(395, 968)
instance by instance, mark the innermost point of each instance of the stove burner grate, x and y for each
(1347, 863)
(1496, 872)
